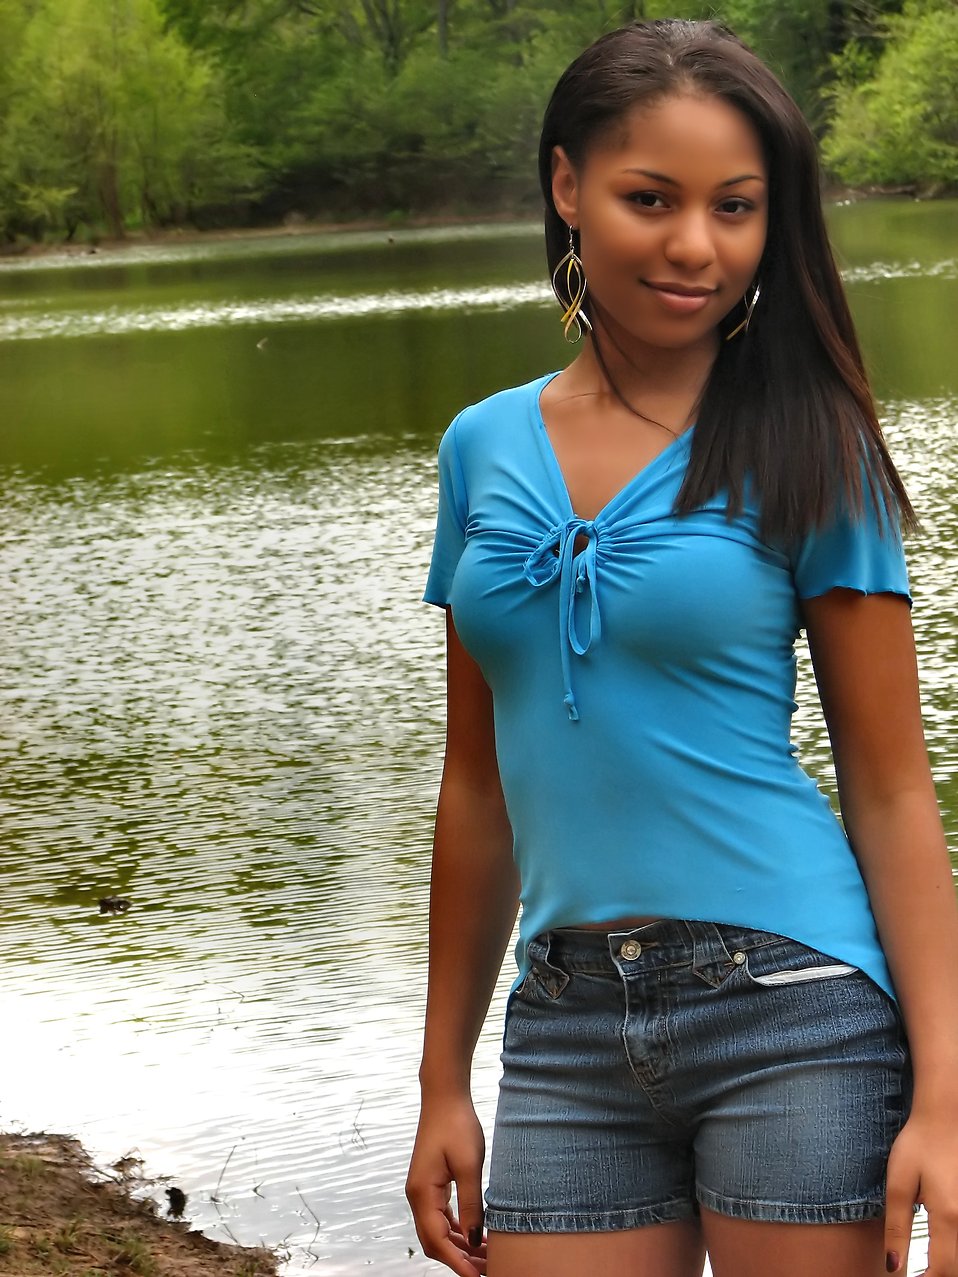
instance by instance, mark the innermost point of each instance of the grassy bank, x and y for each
(60, 1217)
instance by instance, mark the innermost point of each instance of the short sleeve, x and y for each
(856, 551)
(450, 521)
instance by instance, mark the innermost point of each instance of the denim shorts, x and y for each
(652, 1071)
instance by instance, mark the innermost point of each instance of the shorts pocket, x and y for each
(788, 962)
(544, 978)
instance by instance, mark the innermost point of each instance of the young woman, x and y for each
(706, 1046)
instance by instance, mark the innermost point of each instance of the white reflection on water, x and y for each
(117, 321)
(946, 269)
(30, 320)
(221, 698)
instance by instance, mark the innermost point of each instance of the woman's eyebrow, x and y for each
(670, 181)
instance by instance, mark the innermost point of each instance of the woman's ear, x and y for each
(565, 187)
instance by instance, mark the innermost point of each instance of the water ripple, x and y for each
(27, 320)
(947, 269)
(117, 321)
(220, 710)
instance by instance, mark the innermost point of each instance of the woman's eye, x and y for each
(647, 199)
(735, 206)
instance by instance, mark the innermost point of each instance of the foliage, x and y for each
(111, 120)
(118, 113)
(900, 125)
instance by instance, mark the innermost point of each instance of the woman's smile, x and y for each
(679, 297)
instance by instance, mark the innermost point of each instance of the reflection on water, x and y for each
(221, 699)
(40, 318)
(33, 327)
(945, 269)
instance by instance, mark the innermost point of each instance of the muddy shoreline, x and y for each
(60, 1216)
(190, 235)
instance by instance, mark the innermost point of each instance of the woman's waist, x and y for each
(616, 924)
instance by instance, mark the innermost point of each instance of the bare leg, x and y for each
(661, 1250)
(750, 1248)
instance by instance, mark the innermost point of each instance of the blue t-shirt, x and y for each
(643, 687)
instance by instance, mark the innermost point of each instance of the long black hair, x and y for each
(787, 405)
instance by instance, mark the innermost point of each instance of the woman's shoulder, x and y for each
(501, 410)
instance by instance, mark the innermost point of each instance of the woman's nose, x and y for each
(689, 243)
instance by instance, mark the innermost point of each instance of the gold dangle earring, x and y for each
(749, 312)
(570, 275)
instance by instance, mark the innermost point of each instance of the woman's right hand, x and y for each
(450, 1148)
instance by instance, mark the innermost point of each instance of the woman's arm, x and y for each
(473, 902)
(864, 656)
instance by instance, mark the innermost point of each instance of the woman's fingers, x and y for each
(475, 1254)
(900, 1196)
(438, 1231)
(469, 1204)
(943, 1237)
(923, 1167)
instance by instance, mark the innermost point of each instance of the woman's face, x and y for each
(672, 214)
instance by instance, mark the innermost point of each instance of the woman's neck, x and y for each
(664, 386)
(638, 367)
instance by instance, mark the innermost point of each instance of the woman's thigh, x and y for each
(736, 1248)
(659, 1250)
(754, 1248)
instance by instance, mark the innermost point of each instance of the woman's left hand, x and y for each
(923, 1167)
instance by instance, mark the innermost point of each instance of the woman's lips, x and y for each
(684, 301)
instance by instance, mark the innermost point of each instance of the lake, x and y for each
(221, 699)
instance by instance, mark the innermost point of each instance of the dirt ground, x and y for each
(60, 1217)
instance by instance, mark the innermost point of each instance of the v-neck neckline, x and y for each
(552, 457)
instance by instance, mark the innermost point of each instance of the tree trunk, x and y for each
(384, 19)
(109, 188)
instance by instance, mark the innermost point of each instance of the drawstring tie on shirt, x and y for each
(556, 555)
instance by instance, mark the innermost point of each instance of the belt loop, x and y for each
(711, 960)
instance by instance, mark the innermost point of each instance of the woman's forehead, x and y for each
(683, 134)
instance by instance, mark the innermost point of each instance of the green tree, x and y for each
(119, 111)
(113, 120)
(900, 126)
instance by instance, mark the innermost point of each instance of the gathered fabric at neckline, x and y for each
(556, 556)
(622, 494)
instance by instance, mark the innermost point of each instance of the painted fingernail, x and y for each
(892, 1262)
(475, 1239)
